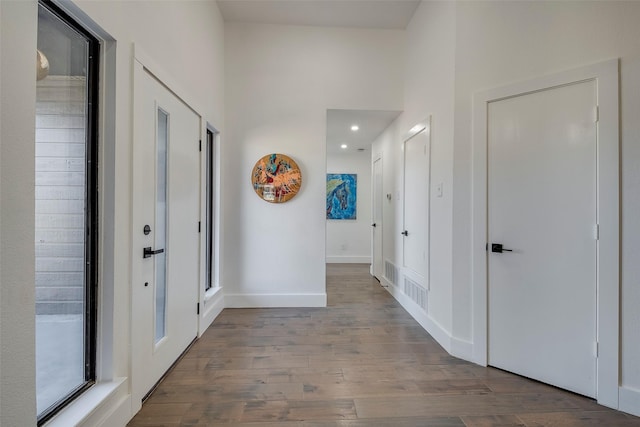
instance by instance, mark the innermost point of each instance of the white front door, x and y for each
(542, 161)
(376, 224)
(416, 206)
(166, 186)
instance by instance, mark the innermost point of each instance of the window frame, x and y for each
(210, 191)
(91, 214)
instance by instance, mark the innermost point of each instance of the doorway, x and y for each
(542, 235)
(377, 220)
(493, 225)
(350, 134)
(416, 192)
(165, 239)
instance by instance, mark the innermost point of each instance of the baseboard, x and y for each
(462, 349)
(348, 259)
(629, 401)
(386, 283)
(275, 300)
(213, 306)
(435, 330)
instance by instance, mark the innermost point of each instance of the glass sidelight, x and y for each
(162, 145)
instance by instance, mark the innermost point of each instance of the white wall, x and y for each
(463, 47)
(186, 40)
(501, 43)
(349, 241)
(280, 82)
(17, 203)
(429, 83)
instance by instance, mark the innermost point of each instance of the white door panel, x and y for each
(542, 206)
(416, 205)
(166, 185)
(377, 224)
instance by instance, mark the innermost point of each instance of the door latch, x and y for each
(147, 252)
(498, 248)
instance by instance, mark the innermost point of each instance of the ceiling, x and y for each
(386, 14)
(371, 124)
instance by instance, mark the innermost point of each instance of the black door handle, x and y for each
(498, 248)
(405, 233)
(147, 252)
(373, 225)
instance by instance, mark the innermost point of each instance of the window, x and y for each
(210, 223)
(65, 209)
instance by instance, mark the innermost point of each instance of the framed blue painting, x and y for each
(342, 195)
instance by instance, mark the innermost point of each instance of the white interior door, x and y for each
(542, 208)
(416, 205)
(166, 185)
(376, 224)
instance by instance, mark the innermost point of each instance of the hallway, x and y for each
(362, 361)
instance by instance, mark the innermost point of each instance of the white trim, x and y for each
(275, 300)
(423, 126)
(461, 348)
(96, 405)
(630, 401)
(380, 227)
(363, 259)
(606, 75)
(213, 296)
(166, 79)
(213, 306)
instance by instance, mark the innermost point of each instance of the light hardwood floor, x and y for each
(362, 361)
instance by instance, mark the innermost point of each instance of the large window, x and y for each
(65, 210)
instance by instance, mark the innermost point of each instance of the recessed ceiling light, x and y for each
(355, 127)
(343, 146)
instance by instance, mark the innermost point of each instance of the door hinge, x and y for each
(198, 308)
(199, 226)
(596, 348)
(596, 114)
(200, 146)
(596, 232)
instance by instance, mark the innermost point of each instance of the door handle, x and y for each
(498, 248)
(147, 252)
(405, 233)
(373, 225)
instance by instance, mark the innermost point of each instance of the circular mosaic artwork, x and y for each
(276, 178)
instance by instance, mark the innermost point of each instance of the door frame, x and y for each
(422, 126)
(606, 75)
(142, 63)
(377, 158)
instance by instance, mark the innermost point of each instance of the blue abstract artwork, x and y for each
(341, 195)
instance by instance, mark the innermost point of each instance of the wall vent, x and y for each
(391, 273)
(417, 293)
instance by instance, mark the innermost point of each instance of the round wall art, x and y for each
(276, 178)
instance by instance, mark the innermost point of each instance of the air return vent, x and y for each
(416, 292)
(391, 273)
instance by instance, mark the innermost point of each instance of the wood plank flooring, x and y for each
(362, 361)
